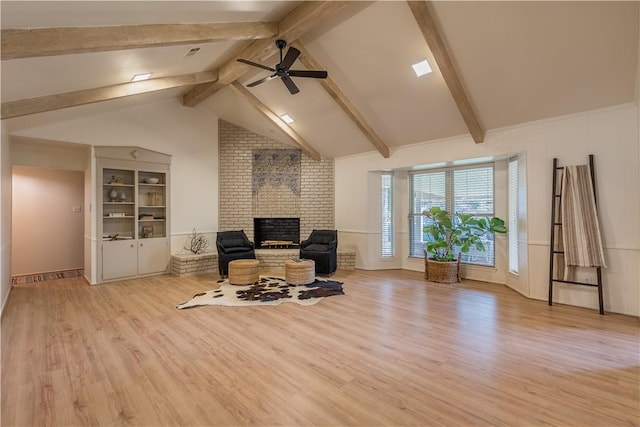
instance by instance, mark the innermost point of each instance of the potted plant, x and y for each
(449, 237)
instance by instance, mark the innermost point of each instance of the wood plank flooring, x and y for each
(395, 350)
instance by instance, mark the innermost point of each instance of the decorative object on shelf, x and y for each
(145, 217)
(115, 179)
(152, 180)
(146, 232)
(113, 195)
(123, 197)
(153, 198)
(448, 235)
(116, 215)
(196, 243)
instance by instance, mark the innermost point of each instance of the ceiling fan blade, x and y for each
(290, 85)
(309, 73)
(255, 64)
(262, 80)
(290, 57)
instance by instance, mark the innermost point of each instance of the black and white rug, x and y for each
(267, 291)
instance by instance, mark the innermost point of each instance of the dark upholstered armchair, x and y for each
(322, 247)
(233, 245)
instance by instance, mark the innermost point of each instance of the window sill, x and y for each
(479, 267)
(463, 264)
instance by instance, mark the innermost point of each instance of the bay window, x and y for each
(465, 189)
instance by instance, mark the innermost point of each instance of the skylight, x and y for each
(422, 68)
(287, 118)
(139, 77)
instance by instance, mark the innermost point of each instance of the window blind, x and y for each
(513, 216)
(458, 190)
(427, 190)
(388, 249)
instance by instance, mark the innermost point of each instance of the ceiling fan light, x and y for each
(138, 77)
(287, 118)
(422, 68)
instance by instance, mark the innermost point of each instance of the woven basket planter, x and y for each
(442, 271)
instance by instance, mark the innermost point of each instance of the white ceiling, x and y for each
(519, 62)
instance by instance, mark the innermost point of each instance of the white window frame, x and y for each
(449, 206)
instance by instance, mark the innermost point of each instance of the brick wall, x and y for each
(317, 196)
(316, 207)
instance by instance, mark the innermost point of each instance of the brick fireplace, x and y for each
(313, 205)
(276, 233)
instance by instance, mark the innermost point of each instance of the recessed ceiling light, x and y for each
(422, 68)
(287, 118)
(139, 77)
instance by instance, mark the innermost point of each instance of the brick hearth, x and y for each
(190, 265)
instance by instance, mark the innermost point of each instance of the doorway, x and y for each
(47, 224)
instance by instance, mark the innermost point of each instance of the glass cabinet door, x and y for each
(118, 204)
(152, 209)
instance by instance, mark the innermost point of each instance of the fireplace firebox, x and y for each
(276, 233)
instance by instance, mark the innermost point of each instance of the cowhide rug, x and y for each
(267, 291)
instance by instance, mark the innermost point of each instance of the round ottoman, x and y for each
(243, 271)
(299, 271)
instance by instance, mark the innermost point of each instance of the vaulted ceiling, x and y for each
(496, 64)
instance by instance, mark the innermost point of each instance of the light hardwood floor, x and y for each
(395, 350)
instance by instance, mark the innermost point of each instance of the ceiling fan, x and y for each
(282, 69)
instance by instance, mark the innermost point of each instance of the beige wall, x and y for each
(610, 134)
(5, 218)
(48, 220)
(189, 135)
(638, 125)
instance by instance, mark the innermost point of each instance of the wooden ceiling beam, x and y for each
(431, 34)
(36, 42)
(23, 107)
(293, 26)
(273, 117)
(332, 88)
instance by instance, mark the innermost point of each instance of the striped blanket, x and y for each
(580, 230)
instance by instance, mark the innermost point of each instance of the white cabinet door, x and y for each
(119, 259)
(153, 256)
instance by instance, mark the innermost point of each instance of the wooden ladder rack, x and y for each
(555, 222)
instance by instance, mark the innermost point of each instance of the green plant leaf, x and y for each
(462, 231)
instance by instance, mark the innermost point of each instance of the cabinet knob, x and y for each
(141, 245)
(131, 245)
